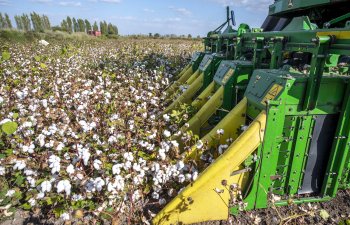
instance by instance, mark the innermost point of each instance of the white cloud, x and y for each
(181, 11)
(176, 19)
(42, 1)
(70, 3)
(111, 1)
(248, 4)
(5, 2)
(148, 10)
(129, 18)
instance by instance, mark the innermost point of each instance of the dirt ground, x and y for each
(338, 210)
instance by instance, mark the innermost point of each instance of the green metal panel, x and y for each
(340, 151)
(197, 58)
(299, 153)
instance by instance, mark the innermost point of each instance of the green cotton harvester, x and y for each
(282, 94)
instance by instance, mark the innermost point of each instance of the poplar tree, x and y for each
(81, 25)
(26, 22)
(19, 23)
(75, 25)
(69, 23)
(2, 21)
(95, 27)
(87, 25)
(64, 25)
(8, 21)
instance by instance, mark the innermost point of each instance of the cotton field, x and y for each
(82, 136)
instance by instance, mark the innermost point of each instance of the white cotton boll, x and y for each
(86, 156)
(60, 146)
(199, 144)
(45, 186)
(181, 178)
(220, 131)
(180, 165)
(29, 172)
(41, 139)
(171, 192)
(43, 43)
(155, 167)
(221, 148)
(119, 182)
(137, 180)
(162, 155)
(128, 165)
(64, 185)
(166, 117)
(175, 144)
(136, 167)
(194, 175)
(66, 156)
(21, 95)
(27, 124)
(188, 176)
(10, 193)
(128, 156)
(136, 195)
(116, 168)
(65, 216)
(99, 183)
(1, 100)
(32, 201)
(97, 164)
(166, 133)
(70, 169)
(79, 176)
(5, 121)
(112, 140)
(162, 201)
(54, 164)
(2, 170)
(44, 103)
(155, 195)
(40, 195)
(98, 152)
(19, 165)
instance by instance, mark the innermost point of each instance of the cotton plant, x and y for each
(89, 137)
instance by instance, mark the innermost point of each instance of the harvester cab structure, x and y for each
(283, 132)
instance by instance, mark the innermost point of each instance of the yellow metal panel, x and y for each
(206, 198)
(193, 77)
(204, 96)
(187, 96)
(184, 70)
(230, 124)
(180, 81)
(227, 75)
(337, 34)
(272, 93)
(205, 112)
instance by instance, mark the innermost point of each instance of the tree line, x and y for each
(40, 23)
(80, 25)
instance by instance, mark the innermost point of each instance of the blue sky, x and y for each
(195, 17)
